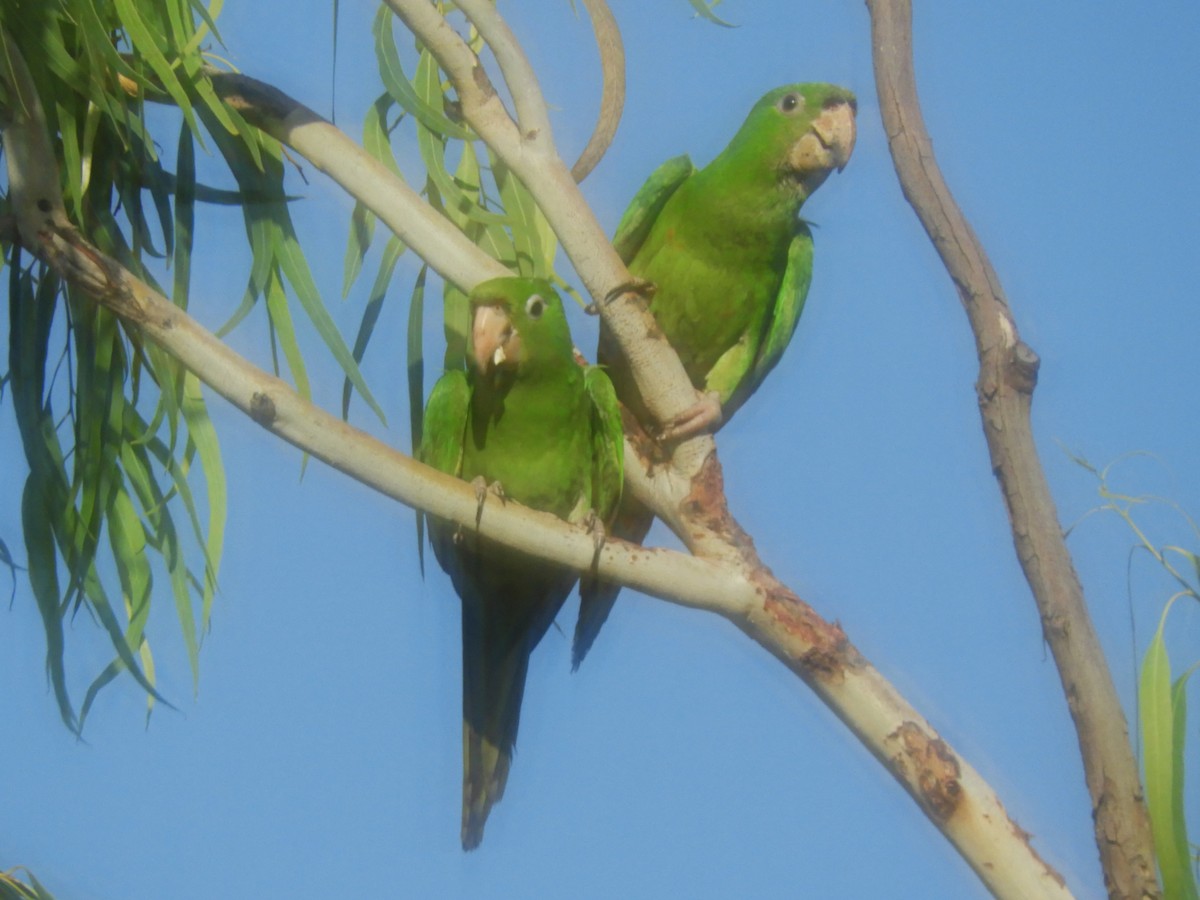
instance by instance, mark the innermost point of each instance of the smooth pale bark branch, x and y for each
(1007, 376)
(612, 100)
(431, 235)
(950, 792)
(533, 119)
(739, 587)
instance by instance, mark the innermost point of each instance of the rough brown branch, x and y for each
(1007, 376)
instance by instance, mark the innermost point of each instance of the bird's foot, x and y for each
(482, 489)
(595, 526)
(704, 416)
(640, 286)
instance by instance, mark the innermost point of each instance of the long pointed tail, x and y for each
(485, 773)
(493, 688)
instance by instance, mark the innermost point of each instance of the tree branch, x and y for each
(952, 794)
(1007, 376)
(431, 235)
(739, 587)
(612, 101)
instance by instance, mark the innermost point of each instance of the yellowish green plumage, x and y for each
(730, 262)
(524, 416)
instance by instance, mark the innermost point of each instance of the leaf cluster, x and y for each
(115, 431)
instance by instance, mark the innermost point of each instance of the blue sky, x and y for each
(322, 755)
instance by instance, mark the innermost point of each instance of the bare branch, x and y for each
(738, 587)
(952, 794)
(612, 101)
(430, 234)
(532, 115)
(1007, 376)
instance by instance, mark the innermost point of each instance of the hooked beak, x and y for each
(494, 341)
(827, 145)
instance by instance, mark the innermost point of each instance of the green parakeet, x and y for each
(730, 262)
(536, 427)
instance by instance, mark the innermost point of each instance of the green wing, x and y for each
(445, 423)
(443, 431)
(789, 303)
(736, 376)
(647, 203)
(608, 444)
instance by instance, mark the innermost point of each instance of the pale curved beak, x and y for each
(494, 341)
(827, 145)
(836, 127)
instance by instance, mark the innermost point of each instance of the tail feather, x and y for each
(508, 604)
(485, 774)
(596, 595)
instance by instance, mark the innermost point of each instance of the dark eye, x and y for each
(789, 103)
(535, 306)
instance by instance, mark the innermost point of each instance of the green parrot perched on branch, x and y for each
(526, 422)
(728, 264)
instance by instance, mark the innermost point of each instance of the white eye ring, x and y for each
(535, 306)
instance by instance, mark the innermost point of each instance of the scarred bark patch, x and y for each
(932, 766)
(828, 650)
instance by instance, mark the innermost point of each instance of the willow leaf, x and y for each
(204, 437)
(295, 269)
(391, 71)
(387, 265)
(362, 230)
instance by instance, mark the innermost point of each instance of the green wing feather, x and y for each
(445, 423)
(789, 304)
(785, 314)
(647, 203)
(608, 444)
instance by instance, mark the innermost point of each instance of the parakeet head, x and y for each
(799, 133)
(518, 327)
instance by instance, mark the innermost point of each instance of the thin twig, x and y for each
(612, 100)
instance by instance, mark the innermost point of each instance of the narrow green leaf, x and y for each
(362, 229)
(377, 134)
(1178, 816)
(432, 147)
(147, 48)
(128, 540)
(185, 216)
(704, 9)
(416, 358)
(43, 578)
(261, 264)
(416, 388)
(204, 436)
(387, 265)
(6, 559)
(295, 269)
(281, 322)
(401, 89)
(524, 215)
(1158, 742)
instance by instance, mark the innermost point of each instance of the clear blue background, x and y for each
(321, 757)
